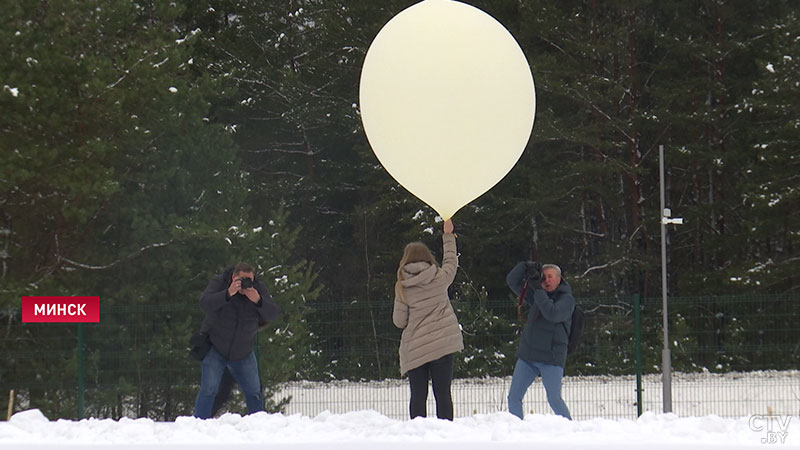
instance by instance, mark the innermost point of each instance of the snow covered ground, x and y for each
(369, 430)
(372, 416)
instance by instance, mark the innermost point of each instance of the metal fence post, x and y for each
(637, 321)
(81, 386)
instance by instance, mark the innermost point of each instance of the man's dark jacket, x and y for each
(544, 338)
(232, 322)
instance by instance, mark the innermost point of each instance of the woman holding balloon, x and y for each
(428, 98)
(431, 333)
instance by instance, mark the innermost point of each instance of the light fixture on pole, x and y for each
(666, 357)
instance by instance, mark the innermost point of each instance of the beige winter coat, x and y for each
(430, 327)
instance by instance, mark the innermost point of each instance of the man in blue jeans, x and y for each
(543, 345)
(235, 303)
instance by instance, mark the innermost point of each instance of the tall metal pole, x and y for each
(666, 357)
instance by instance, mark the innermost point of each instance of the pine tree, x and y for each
(712, 71)
(114, 184)
(767, 187)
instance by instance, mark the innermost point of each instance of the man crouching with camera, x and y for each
(235, 303)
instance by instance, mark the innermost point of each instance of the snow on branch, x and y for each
(108, 266)
(604, 266)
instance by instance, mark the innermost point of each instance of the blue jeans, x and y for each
(244, 371)
(524, 374)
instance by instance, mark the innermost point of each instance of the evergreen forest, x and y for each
(145, 145)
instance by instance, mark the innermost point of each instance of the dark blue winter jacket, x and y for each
(544, 337)
(232, 322)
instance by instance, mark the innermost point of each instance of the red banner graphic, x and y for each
(61, 309)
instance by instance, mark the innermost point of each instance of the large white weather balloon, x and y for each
(447, 102)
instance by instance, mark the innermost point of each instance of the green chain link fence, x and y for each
(732, 356)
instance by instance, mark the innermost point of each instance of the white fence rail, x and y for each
(610, 397)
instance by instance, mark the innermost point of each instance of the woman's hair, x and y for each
(414, 252)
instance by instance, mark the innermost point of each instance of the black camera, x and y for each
(247, 283)
(533, 270)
